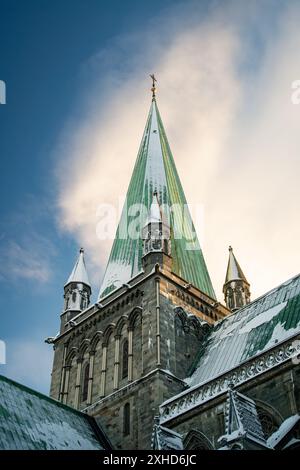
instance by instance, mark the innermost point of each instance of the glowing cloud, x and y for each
(233, 133)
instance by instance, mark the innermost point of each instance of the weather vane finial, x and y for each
(153, 89)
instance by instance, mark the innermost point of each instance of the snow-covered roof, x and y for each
(166, 439)
(283, 430)
(79, 272)
(154, 214)
(263, 323)
(32, 421)
(241, 419)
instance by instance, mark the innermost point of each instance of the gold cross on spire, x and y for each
(153, 89)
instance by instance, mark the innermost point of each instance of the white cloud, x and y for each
(234, 135)
(26, 259)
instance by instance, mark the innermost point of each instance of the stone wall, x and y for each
(159, 336)
(276, 394)
(144, 398)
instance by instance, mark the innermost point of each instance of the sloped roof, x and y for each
(79, 272)
(155, 172)
(154, 214)
(234, 271)
(285, 428)
(32, 421)
(241, 417)
(263, 323)
(166, 439)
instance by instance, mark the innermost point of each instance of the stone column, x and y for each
(91, 375)
(130, 354)
(117, 362)
(77, 385)
(62, 380)
(103, 371)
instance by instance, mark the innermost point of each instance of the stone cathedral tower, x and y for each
(121, 357)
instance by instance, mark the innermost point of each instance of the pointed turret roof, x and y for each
(234, 271)
(164, 438)
(155, 172)
(154, 213)
(241, 419)
(79, 272)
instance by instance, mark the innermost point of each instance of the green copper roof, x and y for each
(155, 171)
(259, 326)
(32, 421)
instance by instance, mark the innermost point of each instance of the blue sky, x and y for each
(43, 45)
(71, 65)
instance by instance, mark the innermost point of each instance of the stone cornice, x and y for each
(200, 394)
(94, 309)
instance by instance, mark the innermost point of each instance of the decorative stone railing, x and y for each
(198, 395)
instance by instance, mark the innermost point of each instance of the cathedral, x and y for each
(158, 362)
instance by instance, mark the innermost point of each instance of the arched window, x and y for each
(239, 296)
(196, 440)
(83, 302)
(268, 422)
(74, 296)
(125, 359)
(126, 419)
(85, 386)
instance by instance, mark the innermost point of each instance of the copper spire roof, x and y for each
(155, 173)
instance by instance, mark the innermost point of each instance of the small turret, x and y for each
(156, 237)
(236, 288)
(77, 290)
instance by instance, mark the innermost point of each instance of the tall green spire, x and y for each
(155, 171)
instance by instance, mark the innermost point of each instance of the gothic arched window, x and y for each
(268, 422)
(239, 296)
(83, 303)
(196, 440)
(125, 359)
(85, 385)
(126, 419)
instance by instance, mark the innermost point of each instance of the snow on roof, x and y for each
(260, 325)
(241, 418)
(79, 272)
(166, 439)
(283, 430)
(32, 421)
(155, 172)
(154, 214)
